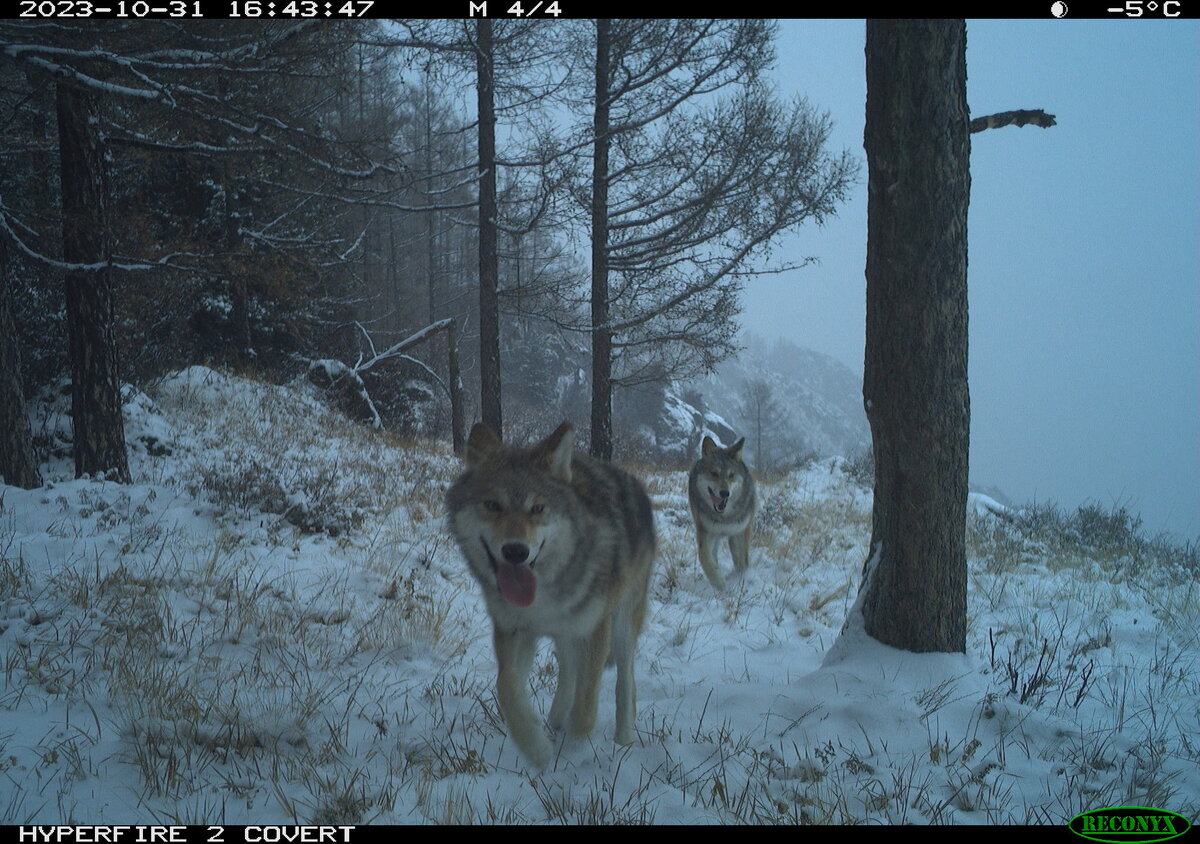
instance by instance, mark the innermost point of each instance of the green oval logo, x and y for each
(1129, 824)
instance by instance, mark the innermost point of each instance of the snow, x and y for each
(983, 505)
(173, 652)
(679, 430)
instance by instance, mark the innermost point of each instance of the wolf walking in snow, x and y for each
(721, 494)
(562, 546)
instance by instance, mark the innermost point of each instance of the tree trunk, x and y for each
(239, 317)
(239, 295)
(915, 379)
(602, 434)
(759, 457)
(17, 464)
(456, 403)
(431, 215)
(489, 307)
(95, 388)
(234, 267)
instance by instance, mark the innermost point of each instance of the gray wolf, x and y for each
(721, 494)
(562, 546)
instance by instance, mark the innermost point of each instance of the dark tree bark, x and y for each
(915, 379)
(95, 388)
(601, 436)
(489, 307)
(17, 464)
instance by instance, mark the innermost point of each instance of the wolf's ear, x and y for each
(558, 449)
(708, 448)
(735, 450)
(481, 443)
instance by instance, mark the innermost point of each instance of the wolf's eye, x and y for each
(537, 508)
(492, 506)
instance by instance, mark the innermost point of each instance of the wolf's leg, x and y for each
(739, 546)
(515, 650)
(626, 700)
(706, 542)
(567, 651)
(591, 654)
(626, 626)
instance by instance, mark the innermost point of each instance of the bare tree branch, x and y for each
(1024, 117)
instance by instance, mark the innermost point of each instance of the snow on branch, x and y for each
(67, 72)
(371, 201)
(114, 262)
(202, 104)
(348, 382)
(398, 348)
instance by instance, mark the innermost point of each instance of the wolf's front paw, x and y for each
(538, 751)
(531, 741)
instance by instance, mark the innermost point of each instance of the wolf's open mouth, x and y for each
(516, 581)
(718, 502)
(496, 563)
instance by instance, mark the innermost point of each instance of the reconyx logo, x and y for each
(1129, 824)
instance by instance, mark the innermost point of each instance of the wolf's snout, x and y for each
(515, 552)
(724, 493)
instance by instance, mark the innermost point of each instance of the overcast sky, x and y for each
(1084, 265)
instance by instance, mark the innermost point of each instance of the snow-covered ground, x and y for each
(271, 626)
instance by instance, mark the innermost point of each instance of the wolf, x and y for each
(562, 546)
(721, 494)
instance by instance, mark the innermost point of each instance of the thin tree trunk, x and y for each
(95, 388)
(429, 221)
(759, 457)
(235, 269)
(602, 432)
(431, 215)
(915, 378)
(456, 401)
(17, 464)
(391, 295)
(239, 295)
(489, 307)
(368, 216)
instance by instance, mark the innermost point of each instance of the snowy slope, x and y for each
(270, 625)
(820, 397)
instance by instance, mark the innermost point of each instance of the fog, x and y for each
(1084, 263)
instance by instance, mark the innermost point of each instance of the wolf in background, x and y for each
(721, 494)
(562, 546)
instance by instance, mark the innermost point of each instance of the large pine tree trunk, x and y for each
(489, 308)
(95, 389)
(602, 433)
(915, 379)
(17, 464)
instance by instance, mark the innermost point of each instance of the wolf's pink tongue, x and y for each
(518, 584)
(718, 503)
